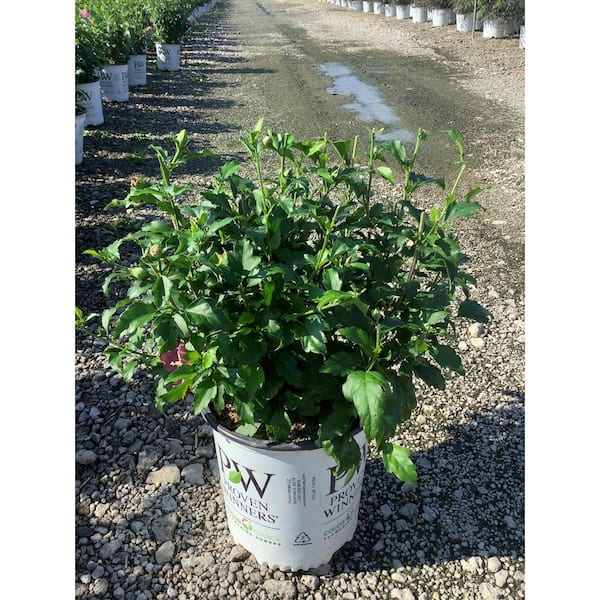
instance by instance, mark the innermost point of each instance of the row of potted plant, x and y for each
(112, 38)
(110, 31)
(497, 18)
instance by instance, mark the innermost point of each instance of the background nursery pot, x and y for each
(284, 502)
(297, 302)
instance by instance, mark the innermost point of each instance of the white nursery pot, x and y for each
(419, 14)
(379, 8)
(464, 22)
(91, 102)
(283, 502)
(114, 83)
(137, 69)
(522, 37)
(79, 130)
(367, 6)
(440, 17)
(390, 10)
(497, 27)
(403, 11)
(168, 56)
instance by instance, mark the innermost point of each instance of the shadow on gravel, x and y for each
(469, 501)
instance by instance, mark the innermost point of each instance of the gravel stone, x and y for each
(285, 590)
(487, 591)
(163, 527)
(165, 475)
(85, 457)
(165, 553)
(194, 473)
(493, 564)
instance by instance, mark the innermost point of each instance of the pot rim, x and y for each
(211, 419)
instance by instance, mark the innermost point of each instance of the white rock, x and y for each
(501, 578)
(285, 590)
(165, 475)
(477, 343)
(493, 564)
(476, 330)
(487, 591)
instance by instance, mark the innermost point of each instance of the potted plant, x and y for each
(140, 34)
(113, 31)
(501, 18)
(468, 16)
(402, 9)
(295, 310)
(171, 21)
(418, 12)
(89, 57)
(441, 11)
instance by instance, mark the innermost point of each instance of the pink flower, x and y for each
(173, 359)
(84, 13)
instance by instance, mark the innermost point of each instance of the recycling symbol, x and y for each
(302, 538)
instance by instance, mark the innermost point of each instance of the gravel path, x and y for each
(150, 520)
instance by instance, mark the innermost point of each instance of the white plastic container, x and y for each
(91, 102)
(390, 10)
(403, 11)
(440, 17)
(379, 8)
(522, 37)
(367, 6)
(79, 130)
(283, 502)
(419, 14)
(137, 69)
(498, 27)
(114, 83)
(168, 56)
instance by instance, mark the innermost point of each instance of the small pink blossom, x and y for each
(173, 359)
(84, 13)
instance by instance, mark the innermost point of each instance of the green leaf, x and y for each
(249, 261)
(203, 311)
(431, 375)
(203, 395)
(345, 451)
(474, 311)
(287, 368)
(386, 173)
(457, 139)
(437, 317)
(280, 424)
(314, 338)
(359, 337)
(396, 460)
(369, 392)
(134, 317)
(332, 279)
(447, 358)
(341, 363)
(461, 209)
